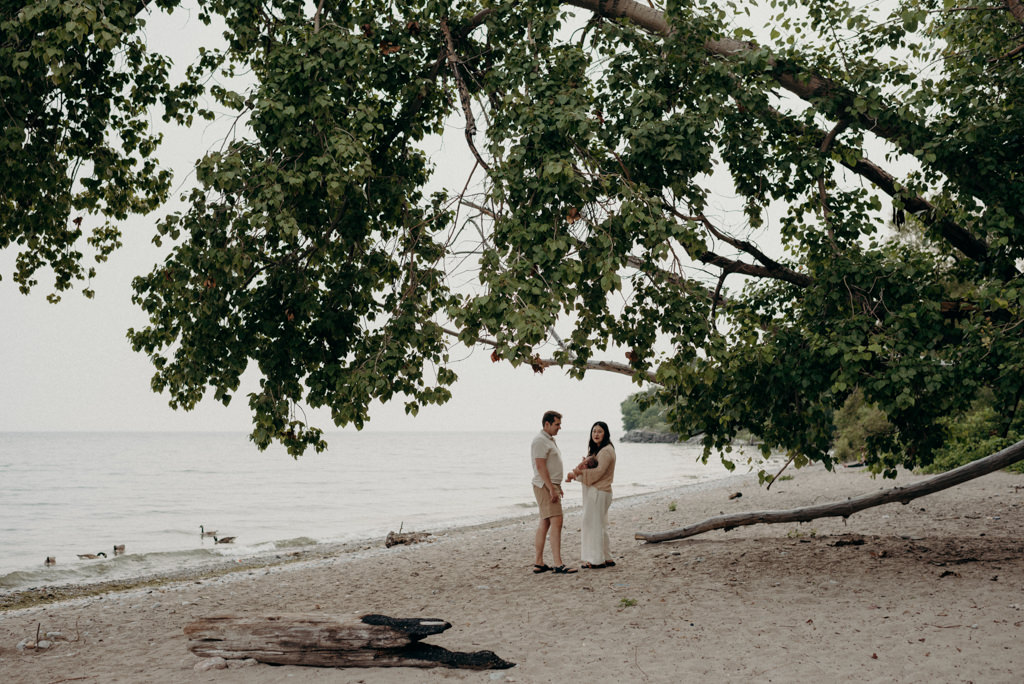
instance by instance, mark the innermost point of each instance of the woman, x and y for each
(595, 473)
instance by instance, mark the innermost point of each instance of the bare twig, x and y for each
(718, 293)
(780, 273)
(464, 96)
(785, 465)
(483, 210)
(744, 246)
(636, 661)
(826, 213)
(669, 276)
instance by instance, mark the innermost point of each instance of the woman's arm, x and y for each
(587, 463)
(604, 459)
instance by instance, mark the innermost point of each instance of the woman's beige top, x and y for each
(601, 477)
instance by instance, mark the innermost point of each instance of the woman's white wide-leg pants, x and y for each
(595, 526)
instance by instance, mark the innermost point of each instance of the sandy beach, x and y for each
(934, 593)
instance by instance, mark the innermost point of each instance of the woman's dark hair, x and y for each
(592, 448)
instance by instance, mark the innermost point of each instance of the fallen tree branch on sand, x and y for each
(904, 495)
(395, 538)
(331, 641)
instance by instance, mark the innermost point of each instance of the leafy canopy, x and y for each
(648, 179)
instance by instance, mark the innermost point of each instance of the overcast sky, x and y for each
(69, 366)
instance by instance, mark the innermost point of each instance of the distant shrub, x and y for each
(856, 423)
(643, 411)
(973, 435)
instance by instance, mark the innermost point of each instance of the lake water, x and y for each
(64, 494)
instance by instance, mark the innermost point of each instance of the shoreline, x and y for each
(29, 597)
(924, 592)
(333, 498)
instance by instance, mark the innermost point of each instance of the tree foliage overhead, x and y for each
(708, 190)
(78, 85)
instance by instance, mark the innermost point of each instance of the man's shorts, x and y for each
(548, 509)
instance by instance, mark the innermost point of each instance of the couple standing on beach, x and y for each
(595, 472)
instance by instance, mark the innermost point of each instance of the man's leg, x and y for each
(538, 542)
(556, 539)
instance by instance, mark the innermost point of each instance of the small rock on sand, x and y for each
(207, 664)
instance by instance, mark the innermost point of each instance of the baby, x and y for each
(586, 464)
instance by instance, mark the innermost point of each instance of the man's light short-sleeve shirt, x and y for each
(544, 447)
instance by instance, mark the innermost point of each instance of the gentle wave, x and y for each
(111, 568)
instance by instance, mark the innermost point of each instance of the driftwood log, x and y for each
(331, 641)
(904, 495)
(394, 538)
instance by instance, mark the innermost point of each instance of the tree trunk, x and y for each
(904, 495)
(331, 641)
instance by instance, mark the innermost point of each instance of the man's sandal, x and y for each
(595, 566)
(562, 570)
(539, 568)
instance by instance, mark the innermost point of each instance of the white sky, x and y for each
(69, 367)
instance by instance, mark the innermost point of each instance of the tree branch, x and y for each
(467, 102)
(956, 235)
(538, 364)
(806, 86)
(780, 273)
(672, 278)
(316, 17)
(845, 509)
(1016, 9)
(822, 192)
(742, 245)
(640, 265)
(1011, 54)
(831, 98)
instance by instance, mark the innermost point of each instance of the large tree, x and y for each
(707, 191)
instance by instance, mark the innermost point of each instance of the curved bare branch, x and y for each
(538, 364)
(845, 509)
(744, 246)
(778, 273)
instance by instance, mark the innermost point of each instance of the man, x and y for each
(547, 489)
